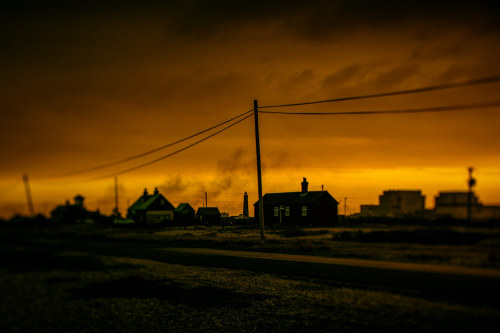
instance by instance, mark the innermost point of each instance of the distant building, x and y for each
(369, 210)
(184, 215)
(455, 199)
(75, 213)
(396, 203)
(208, 216)
(454, 204)
(151, 208)
(245, 205)
(305, 208)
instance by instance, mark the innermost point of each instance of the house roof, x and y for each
(145, 201)
(295, 197)
(208, 211)
(182, 207)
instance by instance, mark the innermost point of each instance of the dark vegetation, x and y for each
(51, 280)
(476, 245)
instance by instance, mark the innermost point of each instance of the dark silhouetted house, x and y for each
(396, 203)
(305, 208)
(184, 215)
(208, 216)
(75, 213)
(151, 208)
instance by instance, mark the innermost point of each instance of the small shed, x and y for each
(184, 215)
(208, 216)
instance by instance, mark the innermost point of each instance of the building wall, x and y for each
(445, 199)
(369, 210)
(322, 212)
(401, 202)
(158, 216)
(478, 212)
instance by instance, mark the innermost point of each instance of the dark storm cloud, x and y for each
(320, 19)
(313, 19)
(350, 73)
(397, 75)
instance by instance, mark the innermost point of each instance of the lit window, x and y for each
(276, 211)
(287, 211)
(304, 210)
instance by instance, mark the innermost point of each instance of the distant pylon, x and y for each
(345, 206)
(28, 195)
(116, 210)
(471, 182)
(245, 204)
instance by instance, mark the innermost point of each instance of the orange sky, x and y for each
(91, 84)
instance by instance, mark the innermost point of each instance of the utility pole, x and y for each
(28, 195)
(345, 206)
(206, 199)
(259, 171)
(117, 213)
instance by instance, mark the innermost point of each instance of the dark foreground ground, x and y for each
(47, 285)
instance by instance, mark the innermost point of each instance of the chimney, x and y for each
(145, 194)
(156, 191)
(245, 205)
(304, 185)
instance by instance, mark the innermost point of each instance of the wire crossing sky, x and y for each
(467, 83)
(177, 151)
(131, 158)
(448, 108)
(445, 108)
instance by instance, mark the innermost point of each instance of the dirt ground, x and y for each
(457, 246)
(46, 288)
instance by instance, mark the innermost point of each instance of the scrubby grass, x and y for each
(100, 293)
(441, 245)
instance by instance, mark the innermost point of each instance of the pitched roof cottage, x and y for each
(305, 208)
(151, 208)
(184, 215)
(208, 215)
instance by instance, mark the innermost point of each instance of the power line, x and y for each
(173, 153)
(418, 110)
(485, 80)
(131, 158)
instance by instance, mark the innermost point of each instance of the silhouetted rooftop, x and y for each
(295, 197)
(208, 211)
(182, 207)
(145, 201)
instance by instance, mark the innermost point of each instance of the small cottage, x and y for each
(184, 215)
(208, 216)
(151, 208)
(76, 213)
(305, 208)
